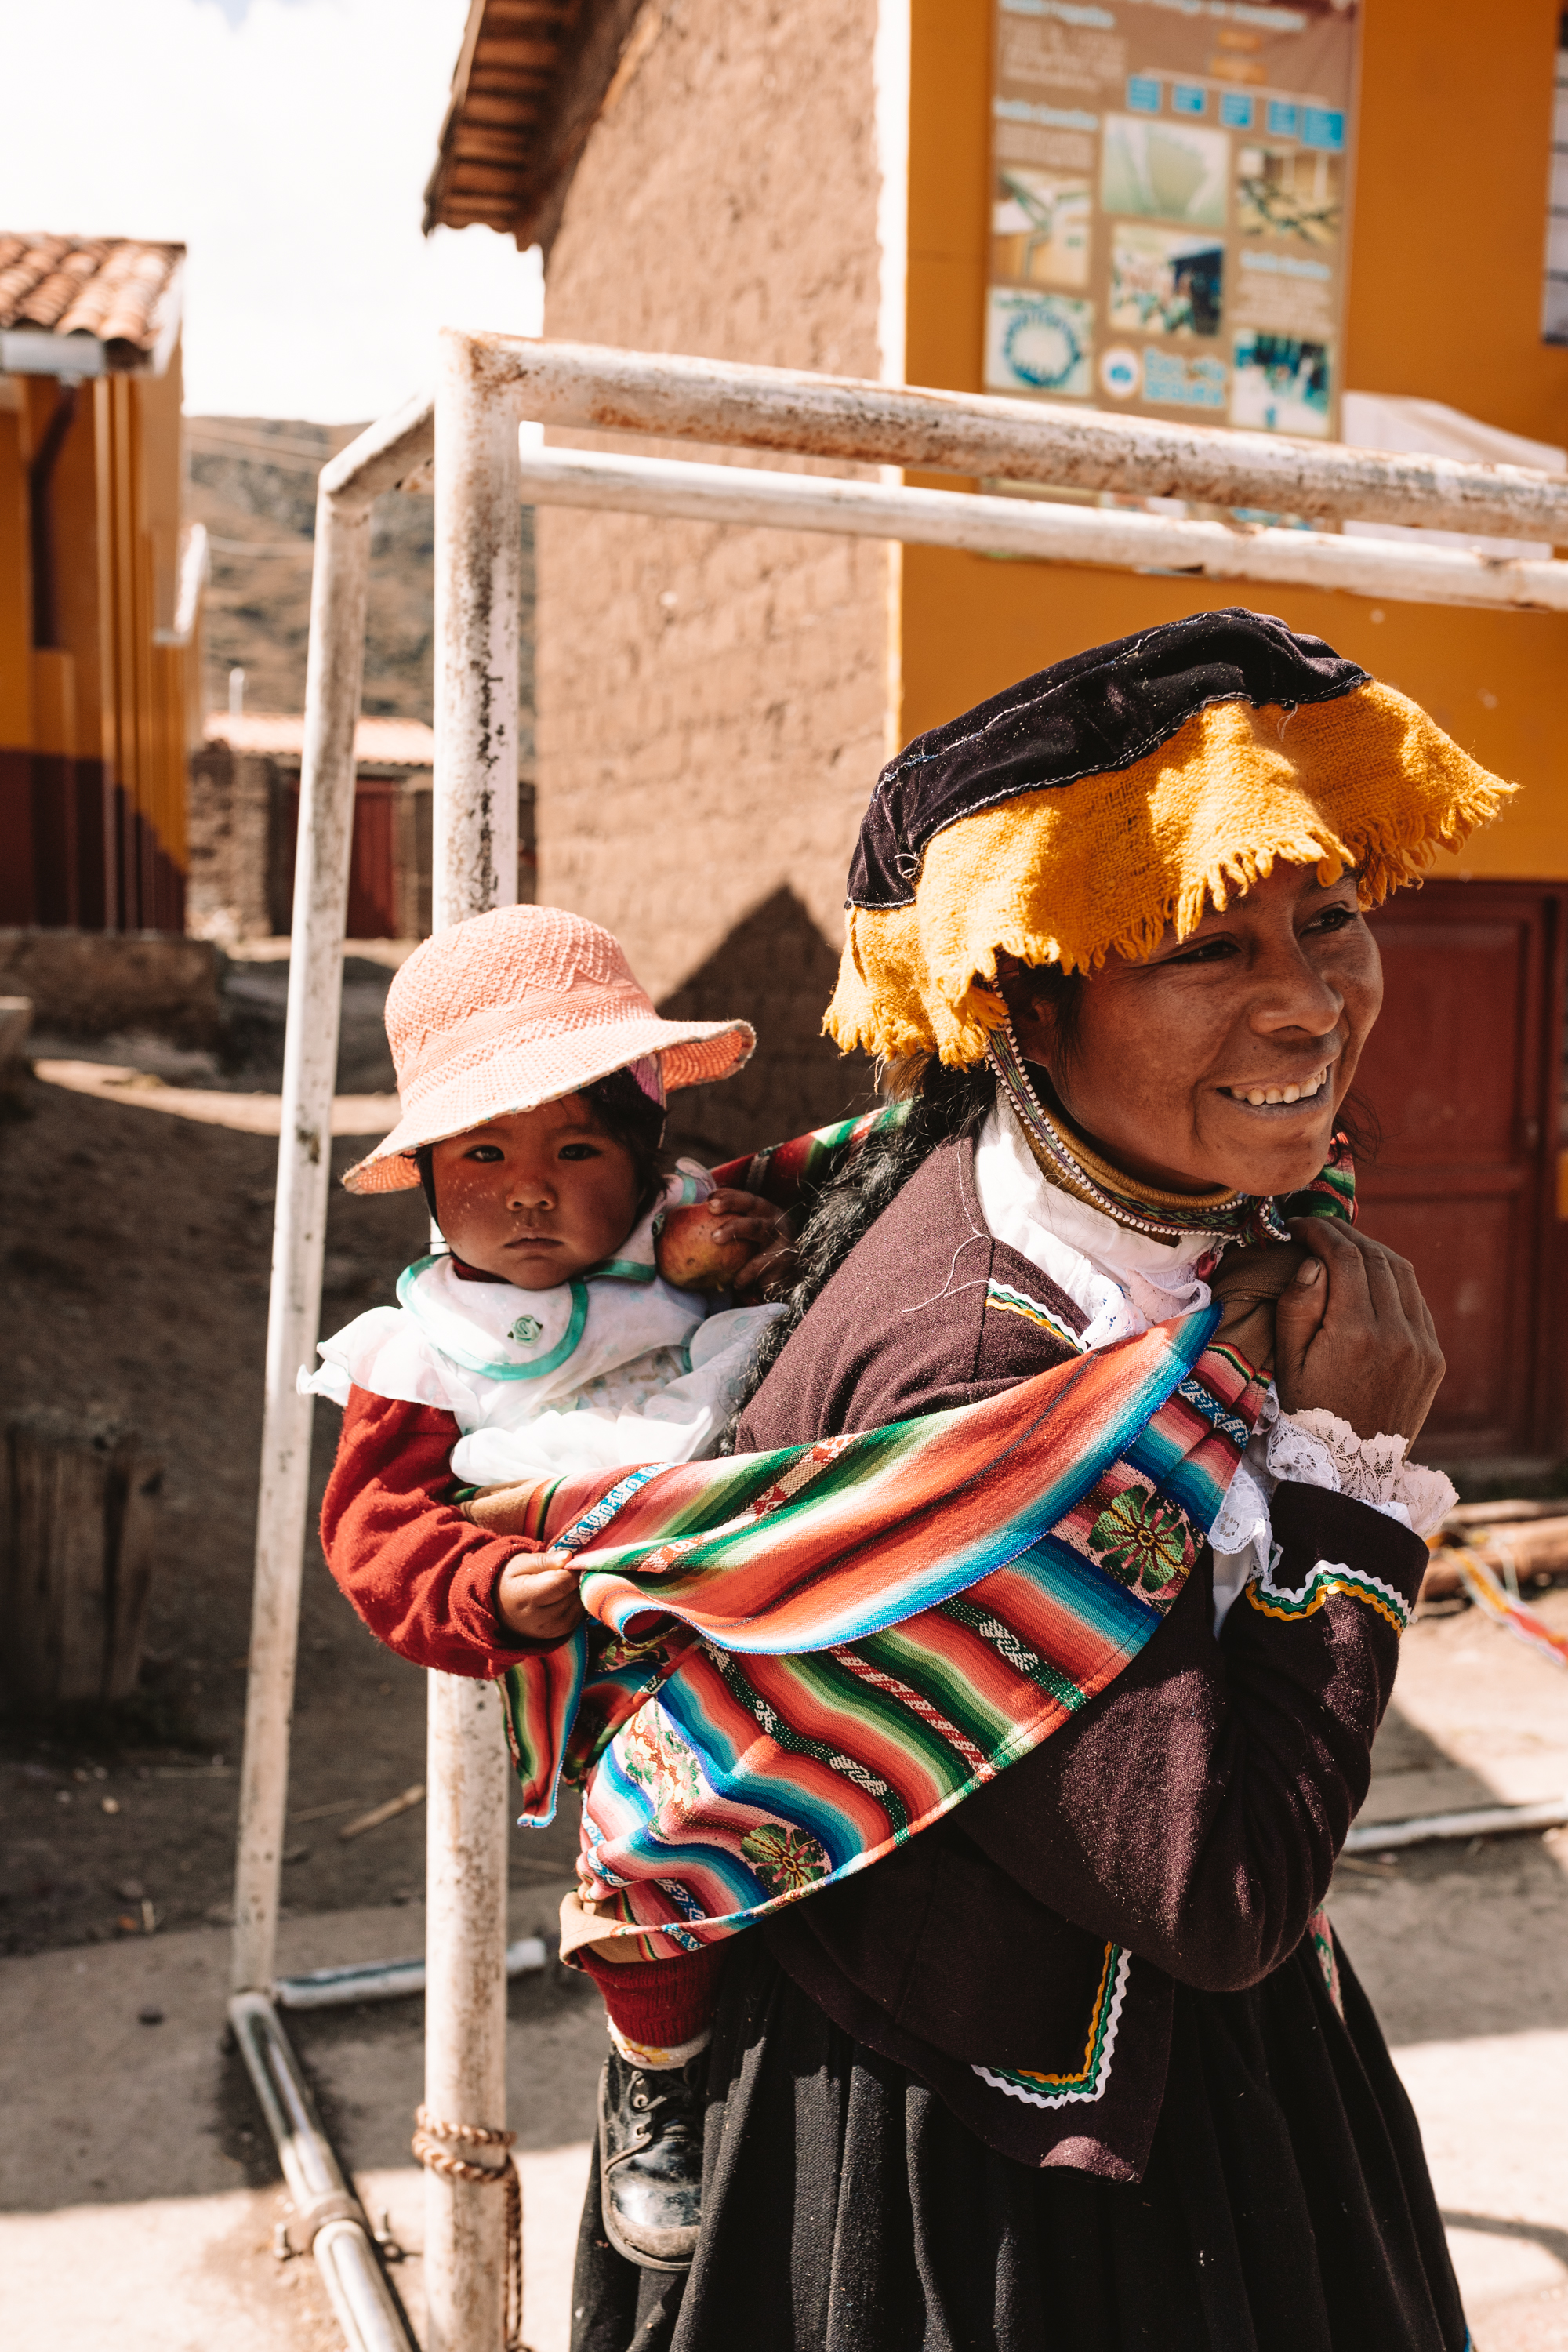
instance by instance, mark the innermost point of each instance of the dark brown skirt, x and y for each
(1286, 2208)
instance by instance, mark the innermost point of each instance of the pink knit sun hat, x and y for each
(518, 1008)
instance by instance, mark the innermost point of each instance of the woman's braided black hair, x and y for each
(943, 1105)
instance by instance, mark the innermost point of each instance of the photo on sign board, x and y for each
(1280, 385)
(1164, 170)
(1122, 371)
(1180, 379)
(1165, 281)
(1039, 227)
(1037, 342)
(1289, 192)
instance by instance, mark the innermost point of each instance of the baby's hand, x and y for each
(537, 1597)
(732, 1241)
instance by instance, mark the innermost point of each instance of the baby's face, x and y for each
(538, 1196)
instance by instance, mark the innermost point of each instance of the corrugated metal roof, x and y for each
(119, 295)
(530, 82)
(378, 742)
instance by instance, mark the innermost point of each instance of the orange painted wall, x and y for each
(1447, 237)
(16, 603)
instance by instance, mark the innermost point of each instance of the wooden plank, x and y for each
(472, 177)
(498, 109)
(542, 56)
(478, 145)
(76, 1550)
(134, 1485)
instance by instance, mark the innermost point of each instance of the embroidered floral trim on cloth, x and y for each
(795, 1661)
(1089, 2083)
(1319, 1450)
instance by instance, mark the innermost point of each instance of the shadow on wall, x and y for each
(777, 972)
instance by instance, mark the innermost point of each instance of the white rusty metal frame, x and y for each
(479, 591)
(346, 2253)
(1401, 570)
(487, 384)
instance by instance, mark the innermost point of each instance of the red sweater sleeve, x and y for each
(420, 1575)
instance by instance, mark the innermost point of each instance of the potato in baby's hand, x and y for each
(705, 1246)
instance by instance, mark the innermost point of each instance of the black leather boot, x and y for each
(650, 2160)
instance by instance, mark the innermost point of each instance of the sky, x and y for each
(287, 143)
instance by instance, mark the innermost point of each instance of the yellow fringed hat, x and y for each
(1078, 814)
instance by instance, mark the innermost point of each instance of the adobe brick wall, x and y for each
(713, 702)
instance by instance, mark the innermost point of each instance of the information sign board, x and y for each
(1169, 208)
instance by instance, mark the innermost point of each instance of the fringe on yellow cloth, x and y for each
(1073, 873)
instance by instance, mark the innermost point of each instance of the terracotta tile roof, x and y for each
(378, 742)
(118, 291)
(530, 80)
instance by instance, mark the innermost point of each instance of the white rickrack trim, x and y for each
(1325, 1578)
(1073, 2098)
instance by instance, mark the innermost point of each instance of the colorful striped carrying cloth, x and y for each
(794, 1661)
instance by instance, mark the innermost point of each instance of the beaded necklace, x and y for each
(1067, 1160)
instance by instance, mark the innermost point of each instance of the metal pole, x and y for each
(1402, 570)
(478, 593)
(862, 423)
(335, 662)
(377, 461)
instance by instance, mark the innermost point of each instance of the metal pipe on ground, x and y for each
(389, 1979)
(327, 2214)
(858, 422)
(1400, 569)
(479, 565)
(1481, 1821)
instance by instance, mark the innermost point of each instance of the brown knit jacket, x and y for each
(1188, 1817)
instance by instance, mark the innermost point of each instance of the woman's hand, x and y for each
(537, 1597)
(1248, 1283)
(1353, 1335)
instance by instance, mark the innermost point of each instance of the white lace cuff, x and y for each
(1318, 1449)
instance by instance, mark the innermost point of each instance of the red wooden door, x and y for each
(1461, 1074)
(373, 868)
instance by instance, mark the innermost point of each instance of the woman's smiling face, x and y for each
(1222, 1058)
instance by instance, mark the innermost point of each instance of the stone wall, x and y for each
(713, 702)
(230, 825)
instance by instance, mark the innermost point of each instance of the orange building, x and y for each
(100, 591)
(842, 187)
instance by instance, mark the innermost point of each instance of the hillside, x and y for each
(253, 484)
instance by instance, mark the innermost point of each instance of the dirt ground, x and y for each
(136, 1251)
